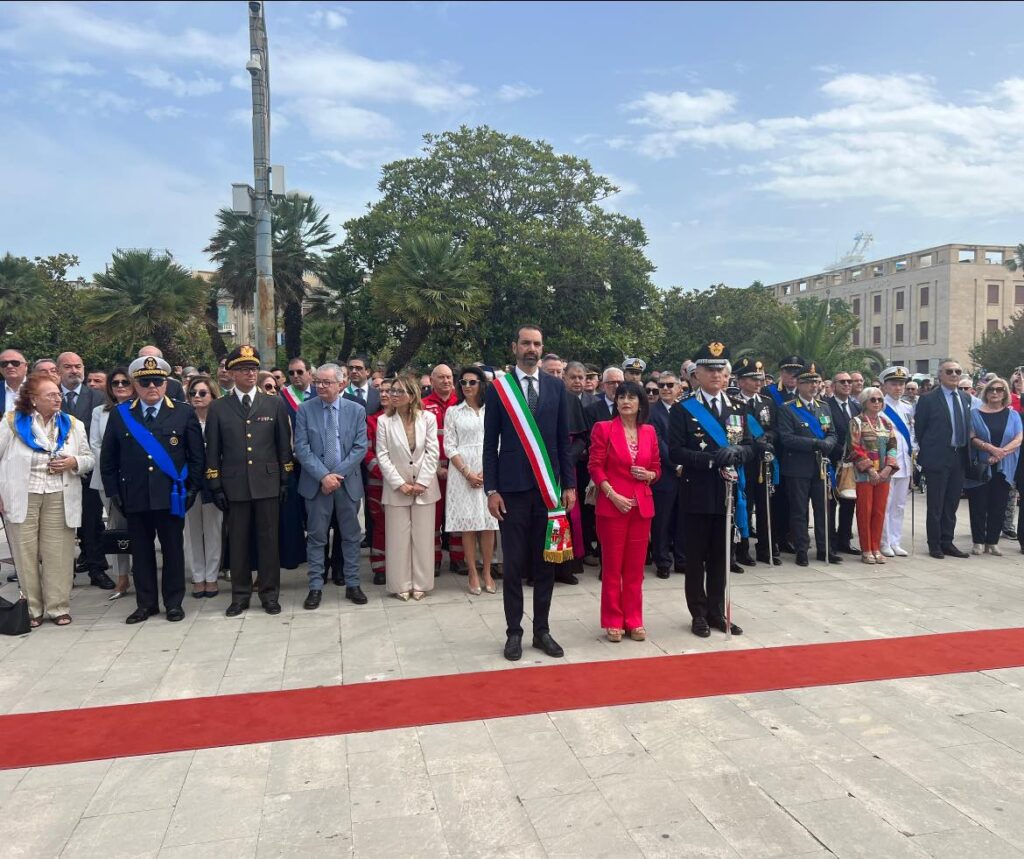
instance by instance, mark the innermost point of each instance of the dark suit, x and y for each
(843, 531)
(250, 458)
(144, 493)
(759, 487)
(598, 411)
(800, 465)
(666, 529)
(780, 501)
(372, 404)
(175, 391)
(90, 533)
(702, 502)
(507, 471)
(942, 464)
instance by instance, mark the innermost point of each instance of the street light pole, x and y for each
(259, 69)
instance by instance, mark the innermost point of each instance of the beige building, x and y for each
(921, 307)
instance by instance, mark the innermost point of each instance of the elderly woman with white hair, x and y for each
(871, 447)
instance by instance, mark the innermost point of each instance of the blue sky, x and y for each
(753, 140)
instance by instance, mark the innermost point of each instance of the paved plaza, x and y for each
(912, 767)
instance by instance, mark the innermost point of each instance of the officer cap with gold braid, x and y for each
(149, 367)
(713, 355)
(242, 358)
(793, 363)
(809, 373)
(894, 373)
(748, 368)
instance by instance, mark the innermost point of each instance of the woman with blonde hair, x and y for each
(407, 452)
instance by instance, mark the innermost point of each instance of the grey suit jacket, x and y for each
(311, 446)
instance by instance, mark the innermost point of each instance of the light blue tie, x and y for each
(332, 461)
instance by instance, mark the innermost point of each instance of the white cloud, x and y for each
(62, 68)
(243, 116)
(332, 19)
(159, 113)
(157, 78)
(666, 110)
(515, 92)
(329, 120)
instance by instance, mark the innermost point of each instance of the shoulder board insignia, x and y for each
(168, 402)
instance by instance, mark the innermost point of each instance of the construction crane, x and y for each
(861, 242)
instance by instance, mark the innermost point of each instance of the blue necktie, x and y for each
(332, 462)
(958, 421)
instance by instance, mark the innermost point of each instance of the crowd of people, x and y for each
(705, 472)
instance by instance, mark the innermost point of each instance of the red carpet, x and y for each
(66, 736)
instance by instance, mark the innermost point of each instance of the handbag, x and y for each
(978, 471)
(116, 541)
(14, 616)
(846, 485)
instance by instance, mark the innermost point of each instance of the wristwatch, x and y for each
(491, 492)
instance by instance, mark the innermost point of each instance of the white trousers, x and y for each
(409, 548)
(202, 542)
(892, 529)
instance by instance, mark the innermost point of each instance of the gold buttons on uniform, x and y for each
(249, 449)
(248, 435)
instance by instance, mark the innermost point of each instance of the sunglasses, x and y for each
(200, 394)
(651, 391)
(666, 384)
(120, 383)
(843, 382)
(997, 390)
(469, 383)
(270, 386)
(356, 368)
(151, 383)
(300, 372)
(875, 400)
(14, 362)
(957, 372)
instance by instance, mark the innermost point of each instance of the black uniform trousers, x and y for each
(705, 565)
(667, 528)
(801, 490)
(943, 486)
(260, 516)
(758, 487)
(523, 531)
(842, 533)
(987, 505)
(143, 528)
(90, 533)
(781, 525)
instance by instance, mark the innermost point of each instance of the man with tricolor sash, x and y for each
(530, 481)
(901, 414)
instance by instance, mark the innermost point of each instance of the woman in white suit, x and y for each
(407, 452)
(119, 390)
(44, 453)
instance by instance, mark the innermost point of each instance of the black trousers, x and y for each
(259, 517)
(91, 530)
(781, 525)
(523, 530)
(705, 565)
(944, 486)
(143, 528)
(842, 533)
(758, 490)
(666, 529)
(801, 490)
(987, 505)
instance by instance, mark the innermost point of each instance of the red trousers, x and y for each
(871, 514)
(375, 510)
(623, 538)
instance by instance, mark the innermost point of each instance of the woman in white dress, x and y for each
(466, 503)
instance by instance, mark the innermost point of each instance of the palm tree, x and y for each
(300, 234)
(428, 283)
(144, 296)
(1018, 259)
(22, 292)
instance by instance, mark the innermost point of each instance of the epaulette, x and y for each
(168, 402)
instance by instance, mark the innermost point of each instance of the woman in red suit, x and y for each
(624, 462)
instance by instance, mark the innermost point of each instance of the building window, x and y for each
(856, 274)
(837, 279)
(1018, 293)
(924, 261)
(787, 289)
(993, 293)
(899, 300)
(966, 256)
(856, 303)
(924, 296)
(876, 335)
(856, 338)
(802, 286)
(899, 332)
(994, 257)
(992, 325)
(921, 366)
(878, 271)
(900, 265)
(922, 333)
(876, 303)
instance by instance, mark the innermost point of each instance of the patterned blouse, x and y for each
(870, 446)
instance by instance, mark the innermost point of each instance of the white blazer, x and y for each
(96, 430)
(399, 465)
(16, 465)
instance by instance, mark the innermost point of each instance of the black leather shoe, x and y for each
(313, 600)
(735, 568)
(380, 579)
(787, 547)
(338, 580)
(496, 571)
(81, 566)
(514, 647)
(545, 642)
(801, 558)
(663, 572)
(745, 559)
(458, 567)
(175, 614)
(719, 624)
(777, 560)
(272, 607)
(833, 558)
(1010, 533)
(236, 608)
(101, 580)
(356, 595)
(140, 614)
(700, 628)
(847, 549)
(938, 554)
(954, 552)
(679, 568)
(567, 579)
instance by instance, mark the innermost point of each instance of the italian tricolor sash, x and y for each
(293, 397)
(558, 540)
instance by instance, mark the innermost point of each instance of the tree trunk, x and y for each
(211, 319)
(293, 329)
(163, 336)
(407, 349)
(346, 343)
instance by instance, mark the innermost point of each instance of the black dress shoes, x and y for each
(140, 614)
(496, 572)
(700, 627)
(356, 595)
(236, 608)
(787, 547)
(272, 607)
(101, 580)
(567, 579)
(663, 572)
(514, 647)
(938, 554)
(313, 600)
(801, 558)
(953, 551)
(848, 549)
(719, 624)
(545, 642)
(338, 580)
(175, 614)
(745, 559)
(735, 568)
(833, 558)
(380, 579)
(679, 568)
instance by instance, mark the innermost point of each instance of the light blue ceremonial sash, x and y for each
(160, 456)
(756, 430)
(897, 421)
(816, 429)
(713, 428)
(23, 426)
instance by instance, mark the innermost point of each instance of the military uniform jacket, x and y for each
(248, 456)
(130, 474)
(702, 486)
(764, 409)
(797, 457)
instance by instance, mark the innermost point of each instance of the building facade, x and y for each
(921, 307)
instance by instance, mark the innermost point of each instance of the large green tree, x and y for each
(1001, 351)
(532, 222)
(22, 293)
(300, 236)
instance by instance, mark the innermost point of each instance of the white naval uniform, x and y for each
(899, 487)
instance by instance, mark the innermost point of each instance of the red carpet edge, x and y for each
(96, 733)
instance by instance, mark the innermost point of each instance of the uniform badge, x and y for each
(174, 440)
(826, 420)
(246, 352)
(716, 348)
(150, 363)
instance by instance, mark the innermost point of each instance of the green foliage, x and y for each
(21, 292)
(1001, 351)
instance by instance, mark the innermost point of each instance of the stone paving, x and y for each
(917, 767)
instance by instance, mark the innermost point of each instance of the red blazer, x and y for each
(609, 460)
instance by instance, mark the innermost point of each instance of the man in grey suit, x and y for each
(330, 443)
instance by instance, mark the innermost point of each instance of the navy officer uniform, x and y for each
(153, 504)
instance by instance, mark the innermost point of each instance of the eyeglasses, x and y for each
(399, 392)
(875, 400)
(651, 392)
(151, 383)
(842, 381)
(300, 372)
(469, 383)
(54, 396)
(14, 362)
(666, 384)
(356, 368)
(271, 387)
(997, 390)
(951, 372)
(199, 394)
(325, 383)
(120, 383)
